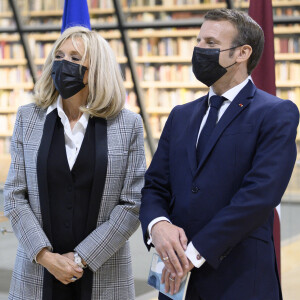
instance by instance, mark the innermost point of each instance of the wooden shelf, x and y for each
(6, 133)
(287, 56)
(287, 30)
(110, 11)
(274, 3)
(287, 84)
(8, 110)
(13, 62)
(167, 85)
(24, 85)
(174, 8)
(163, 59)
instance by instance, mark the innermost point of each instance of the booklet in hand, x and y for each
(154, 279)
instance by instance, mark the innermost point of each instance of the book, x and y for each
(154, 279)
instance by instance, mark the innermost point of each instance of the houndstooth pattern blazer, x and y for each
(106, 249)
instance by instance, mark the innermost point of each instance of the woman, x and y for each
(73, 189)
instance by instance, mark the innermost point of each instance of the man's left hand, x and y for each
(172, 284)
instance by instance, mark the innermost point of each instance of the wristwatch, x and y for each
(78, 261)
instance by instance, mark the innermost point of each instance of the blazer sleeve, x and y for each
(156, 194)
(26, 227)
(262, 187)
(110, 236)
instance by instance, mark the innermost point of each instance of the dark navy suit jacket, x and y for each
(225, 205)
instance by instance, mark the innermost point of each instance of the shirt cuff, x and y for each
(194, 256)
(151, 224)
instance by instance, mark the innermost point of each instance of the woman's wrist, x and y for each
(43, 256)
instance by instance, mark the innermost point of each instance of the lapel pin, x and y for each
(241, 105)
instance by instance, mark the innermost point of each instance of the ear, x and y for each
(245, 52)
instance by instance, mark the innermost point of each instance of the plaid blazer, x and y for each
(106, 248)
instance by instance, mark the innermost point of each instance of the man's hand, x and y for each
(170, 243)
(60, 266)
(172, 284)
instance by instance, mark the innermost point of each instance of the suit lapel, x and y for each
(99, 173)
(193, 130)
(239, 103)
(42, 170)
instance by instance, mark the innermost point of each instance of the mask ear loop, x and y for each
(231, 49)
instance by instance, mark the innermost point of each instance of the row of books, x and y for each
(285, 71)
(287, 44)
(152, 46)
(39, 5)
(13, 75)
(11, 50)
(4, 145)
(290, 94)
(162, 73)
(14, 98)
(155, 99)
(286, 11)
(7, 122)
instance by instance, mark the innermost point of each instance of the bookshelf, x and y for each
(162, 56)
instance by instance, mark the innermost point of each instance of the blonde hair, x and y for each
(106, 96)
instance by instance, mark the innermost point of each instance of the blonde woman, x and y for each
(73, 189)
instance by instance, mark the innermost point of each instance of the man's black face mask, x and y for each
(206, 67)
(68, 77)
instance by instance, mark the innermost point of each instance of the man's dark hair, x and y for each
(249, 32)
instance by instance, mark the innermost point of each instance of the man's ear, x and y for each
(244, 53)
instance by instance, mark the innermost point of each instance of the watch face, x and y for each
(77, 260)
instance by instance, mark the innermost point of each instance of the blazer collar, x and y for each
(101, 155)
(42, 170)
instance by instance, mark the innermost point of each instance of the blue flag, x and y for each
(76, 13)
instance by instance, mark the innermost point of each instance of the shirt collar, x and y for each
(83, 121)
(230, 94)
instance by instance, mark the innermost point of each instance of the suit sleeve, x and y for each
(262, 187)
(156, 194)
(110, 236)
(16, 205)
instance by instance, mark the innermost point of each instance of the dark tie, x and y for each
(211, 121)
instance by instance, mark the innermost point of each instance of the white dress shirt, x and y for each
(73, 137)
(191, 252)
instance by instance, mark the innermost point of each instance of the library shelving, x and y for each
(162, 56)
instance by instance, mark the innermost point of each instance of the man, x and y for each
(221, 167)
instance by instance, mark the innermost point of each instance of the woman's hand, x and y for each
(60, 266)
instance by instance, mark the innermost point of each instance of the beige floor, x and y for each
(290, 269)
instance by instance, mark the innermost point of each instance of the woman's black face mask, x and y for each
(67, 77)
(206, 67)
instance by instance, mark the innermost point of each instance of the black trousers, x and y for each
(71, 291)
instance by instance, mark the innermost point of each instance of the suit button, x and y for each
(195, 189)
